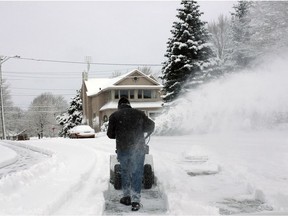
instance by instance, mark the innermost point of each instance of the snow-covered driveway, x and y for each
(196, 175)
(50, 184)
(18, 157)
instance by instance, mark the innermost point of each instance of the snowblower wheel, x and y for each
(148, 179)
(117, 177)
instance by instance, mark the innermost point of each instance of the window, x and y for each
(144, 94)
(116, 94)
(105, 118)
(124, 93)
(139, 94)
(131, 94)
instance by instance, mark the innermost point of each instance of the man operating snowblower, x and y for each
(128, 126)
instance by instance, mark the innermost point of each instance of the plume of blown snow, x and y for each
(248, 100)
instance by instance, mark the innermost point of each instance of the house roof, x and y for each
(96, 85)
(137, 105)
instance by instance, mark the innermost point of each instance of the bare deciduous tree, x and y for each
(42, 114)
(220, 35)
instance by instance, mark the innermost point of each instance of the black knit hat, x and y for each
(123, 100)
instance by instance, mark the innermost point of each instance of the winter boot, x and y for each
(126, 200)
(135, 206)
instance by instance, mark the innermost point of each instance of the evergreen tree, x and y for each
(256, 29)
(188, 52)
(241, 33)
(269, 26)
(73, 116)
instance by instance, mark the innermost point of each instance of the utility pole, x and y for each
(2, 60)
(88, 60)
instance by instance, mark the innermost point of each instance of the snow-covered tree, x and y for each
(7, 107)
(241, 53)
(270, 26)
(42, 114)
(13, 116)
(257, 28)
(219, 31)
(188, 52)
(73, 116)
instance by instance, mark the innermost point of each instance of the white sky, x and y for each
(109, 31)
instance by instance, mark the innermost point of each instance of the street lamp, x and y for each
(2, 60)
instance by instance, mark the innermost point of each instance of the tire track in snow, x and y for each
(86, 196)
(27, 157)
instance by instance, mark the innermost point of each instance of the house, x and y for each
(100, 96)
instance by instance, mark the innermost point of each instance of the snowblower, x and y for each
(148, 175)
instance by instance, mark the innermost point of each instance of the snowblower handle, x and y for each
(148, 135)
(147, 140)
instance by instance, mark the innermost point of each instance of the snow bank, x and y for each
(54, 180)
(7, 156)
(245, 101)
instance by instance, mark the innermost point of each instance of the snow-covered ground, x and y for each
(230, 159)
(196, 175)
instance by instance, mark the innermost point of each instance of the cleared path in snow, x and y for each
(87, 195)
(94, 194)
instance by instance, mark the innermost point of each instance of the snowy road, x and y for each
(25, 158)
(196, 175)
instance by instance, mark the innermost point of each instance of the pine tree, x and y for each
(188, 52)
(269, 26)
(73, 116)
(241, 33)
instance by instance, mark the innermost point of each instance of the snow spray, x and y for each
(249, 100)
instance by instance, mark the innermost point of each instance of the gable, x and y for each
(136, 78)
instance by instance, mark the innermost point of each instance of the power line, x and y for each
(21, 95)
(42, 106)
(40, 111)
(37, 72)
(41, 77)
(70, 72)
(92, 63)
(45, 89)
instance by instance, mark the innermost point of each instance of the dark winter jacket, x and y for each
(128, 125)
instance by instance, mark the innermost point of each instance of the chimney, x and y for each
(84, 76)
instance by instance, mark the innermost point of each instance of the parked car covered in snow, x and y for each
(81, 131)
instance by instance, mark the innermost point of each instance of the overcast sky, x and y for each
(116, 32)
